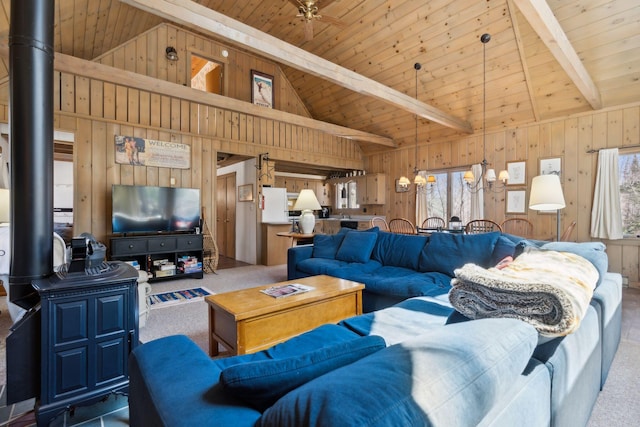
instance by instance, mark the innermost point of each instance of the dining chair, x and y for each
(433, 223)
(402, 226)
(517, 226)
(379, 222)
(478, 226)
(567, 232)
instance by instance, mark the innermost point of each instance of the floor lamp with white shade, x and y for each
(307, 202)
(546, 195)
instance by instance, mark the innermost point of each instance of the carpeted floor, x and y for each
(192, 319)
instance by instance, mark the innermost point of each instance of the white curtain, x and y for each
(606, 216)
(477, 196)
(421, 202)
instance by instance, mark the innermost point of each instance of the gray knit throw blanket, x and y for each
(548, 289)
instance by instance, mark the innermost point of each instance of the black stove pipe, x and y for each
(31, 126)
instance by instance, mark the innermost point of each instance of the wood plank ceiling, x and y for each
(382, 39)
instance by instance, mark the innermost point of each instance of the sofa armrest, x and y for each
(296, 254)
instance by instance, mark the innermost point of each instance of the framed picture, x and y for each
(516, 201)
(401, 188)
(245, 193)
(261, 89)
(551, 166)
(517, 172)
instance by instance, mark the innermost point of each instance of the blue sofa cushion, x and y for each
(594, 252)
(357, 246)
(262, 383)
(326, 246)
(316, 266)
(447, 251)
(415, 284)
(452, 375)
(400, 250)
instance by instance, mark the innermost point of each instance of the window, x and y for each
(449, 196)
(629, 179)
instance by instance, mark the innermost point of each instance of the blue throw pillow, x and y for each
(357, 246)
(447, 251)
(262, 383)
(594, 252)
(326, 246)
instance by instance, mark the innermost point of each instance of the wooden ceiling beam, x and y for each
(545, 24)
(205, 20)
(72, 65)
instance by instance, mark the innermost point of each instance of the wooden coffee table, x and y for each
(248, 320)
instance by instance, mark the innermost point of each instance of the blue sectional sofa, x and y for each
(395, 266)
(414, 362)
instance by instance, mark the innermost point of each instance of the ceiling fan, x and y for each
(309, 11)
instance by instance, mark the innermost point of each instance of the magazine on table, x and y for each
(287, 290)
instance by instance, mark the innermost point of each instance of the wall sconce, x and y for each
(404, 182)
(171, 53)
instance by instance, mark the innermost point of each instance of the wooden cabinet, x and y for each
(274, 247)
(180, 250)
(375, 189)
(371, 189)
(322, 188)
(327, 226)
(280, 182)
(89, 326)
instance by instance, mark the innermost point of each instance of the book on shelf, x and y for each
(287, 290)
(168, 266)
(164, 273)
(134, 264)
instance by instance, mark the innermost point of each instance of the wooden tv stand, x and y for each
(149, 251)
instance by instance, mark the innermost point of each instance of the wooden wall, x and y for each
(96, 109)
(569, 138)
(145, 55)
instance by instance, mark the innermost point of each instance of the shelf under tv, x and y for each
(145, 249)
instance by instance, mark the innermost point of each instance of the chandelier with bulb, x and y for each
(418, 179)
(489, 175)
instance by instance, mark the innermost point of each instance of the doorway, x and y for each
(207, 75)
(226, 215)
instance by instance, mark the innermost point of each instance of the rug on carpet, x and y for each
(178, 297)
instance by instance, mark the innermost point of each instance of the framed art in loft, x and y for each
(262, 89)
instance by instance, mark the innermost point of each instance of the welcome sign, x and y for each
(134, 151)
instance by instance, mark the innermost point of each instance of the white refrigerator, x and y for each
(273, 203)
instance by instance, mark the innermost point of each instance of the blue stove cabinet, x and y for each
(89, 322)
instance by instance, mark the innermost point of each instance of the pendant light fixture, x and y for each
(418, 178)
(489, 175)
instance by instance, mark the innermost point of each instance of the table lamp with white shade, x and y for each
(5, 206)
(307, 202)
(546, 195)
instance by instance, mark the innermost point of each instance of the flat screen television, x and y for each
(145, 209)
